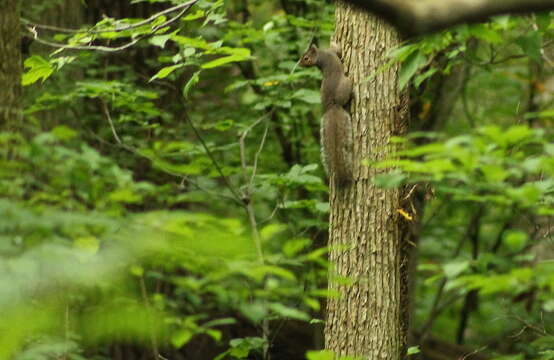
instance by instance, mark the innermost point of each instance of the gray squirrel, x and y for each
(336, 125)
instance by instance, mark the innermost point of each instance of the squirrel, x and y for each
(336, 127)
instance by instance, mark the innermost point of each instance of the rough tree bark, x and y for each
(10, 65)
(366, 230)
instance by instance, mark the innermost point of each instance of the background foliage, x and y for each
(166, 199)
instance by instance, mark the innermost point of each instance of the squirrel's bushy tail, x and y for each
(337, 140)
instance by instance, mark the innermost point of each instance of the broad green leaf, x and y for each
(485, 33)
(516, 134)
(402, 53)
(38, 68)
(412, 64)
(531, 44)
(293, 247)
(455, 268)
(289, 312)
(308, 96)
(181, 337)
(494, 173)
(255, 312)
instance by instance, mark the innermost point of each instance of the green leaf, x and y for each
(412, 64)
(543, 20)
(181, 337)
(391, 180)
(160, 40)
(194, 16)
(485, 33)
(63, 132)
(515, 240)
(502, 21)
(308, 96)
(531, 44)
(289, 312)
(261, 272)
(516, 134)
(192, 81)
(455, 268)
(39, 68)
(220, 322)
(543, 114)
(293, 247)
(240, 348)
(256, 312)
(125, 195)
(510, 357)
(223, 60)
(494, 173)
(214, 334)
(412, 350)
(320, 355)
(402, 53)
(165, 71)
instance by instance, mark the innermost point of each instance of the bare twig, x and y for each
(242, 152)
(257, 156)
(107, 113)
(473, 352)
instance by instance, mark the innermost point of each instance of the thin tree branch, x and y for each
(238, 198)
(262, 142)
(251, 212)
(108, 116)
(184, 6)
(108, 48)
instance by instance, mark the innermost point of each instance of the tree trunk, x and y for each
(10, 65)
(366, 231)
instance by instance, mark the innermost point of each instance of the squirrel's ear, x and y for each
(313, 46)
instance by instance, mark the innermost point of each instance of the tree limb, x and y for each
(413, 18)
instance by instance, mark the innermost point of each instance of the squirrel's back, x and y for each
(337, 143)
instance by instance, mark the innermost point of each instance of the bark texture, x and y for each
(10, 65)
(366, 230)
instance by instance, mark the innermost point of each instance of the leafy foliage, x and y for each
(165, 194)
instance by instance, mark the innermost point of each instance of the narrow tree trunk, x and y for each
(10, 65)
(368, 319)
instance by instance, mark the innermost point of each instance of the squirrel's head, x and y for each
(310, 57)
